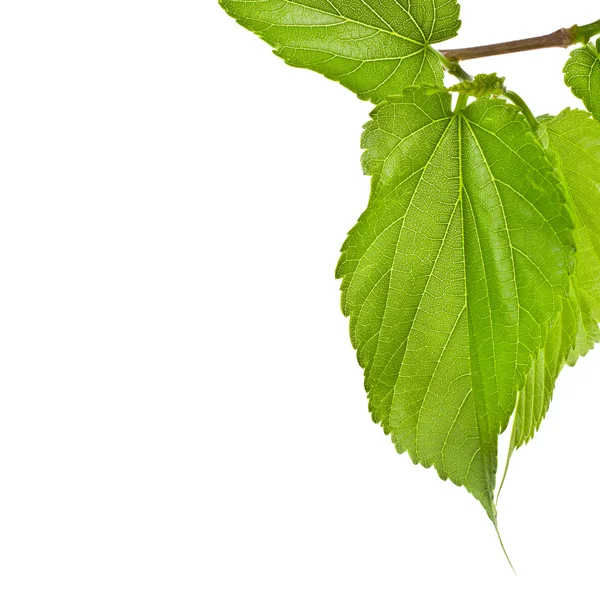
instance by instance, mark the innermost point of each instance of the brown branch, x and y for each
(563, 38)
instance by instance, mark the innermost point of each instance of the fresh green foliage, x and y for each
(562, 342)
(473, 276)
(452, 276)
(575, 138)
(573, 143)
(373, 47)
(483, 85)
(582, 75)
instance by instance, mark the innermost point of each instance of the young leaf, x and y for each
(374, 48)
(582, 75)
(482, 86)
(452, 276)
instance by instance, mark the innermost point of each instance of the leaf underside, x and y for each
(582, 75)
(373, 47)
(452, 276)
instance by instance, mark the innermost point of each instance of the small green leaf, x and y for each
(582, 75)
(374, 48)
(482, 86)
(452, 276)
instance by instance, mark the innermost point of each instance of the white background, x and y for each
(182, 415)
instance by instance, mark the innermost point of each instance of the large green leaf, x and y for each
(452, 276)
(582, 75)
(373, 47)
(574, 140)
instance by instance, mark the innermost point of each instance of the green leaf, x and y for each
(582, 75)
(572, 336)
(452, 276)
(481, 86)
(575, 137)
(534, 398)
(574, 142)
(373, 47)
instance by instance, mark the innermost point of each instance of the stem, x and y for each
(563, 38)
(520, 103)
(454, 68)
(583, 33)
(511, 448)
(503, 548)
(461, 103)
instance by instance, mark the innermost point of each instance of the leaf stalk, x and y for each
(522, 105)
(461, 103)
(452, 67)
